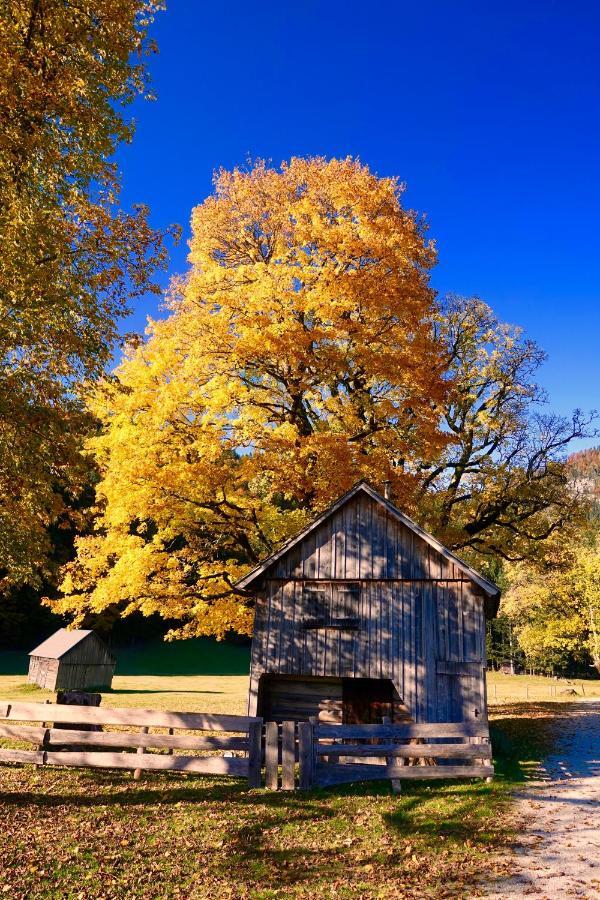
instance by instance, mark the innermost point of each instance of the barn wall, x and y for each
(43, 671)
(418, 621)
(362, 540)
(89, 651)
(79, 676)
(427, 638)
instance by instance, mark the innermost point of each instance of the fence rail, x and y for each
(338, 754)
(77, 747)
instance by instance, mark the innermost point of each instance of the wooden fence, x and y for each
(234, 745)
(238, 753)
(338, 754)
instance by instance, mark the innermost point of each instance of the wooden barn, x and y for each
(72, 660)
(363, 614)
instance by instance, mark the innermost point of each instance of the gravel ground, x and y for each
(558, 855)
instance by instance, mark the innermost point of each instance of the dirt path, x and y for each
(559, 852)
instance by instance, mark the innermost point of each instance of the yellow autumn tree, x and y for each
(71, 259)
(555, 605)
(298, 356)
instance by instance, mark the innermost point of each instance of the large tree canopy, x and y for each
(303, 351)
(298, 357)
(71, 259)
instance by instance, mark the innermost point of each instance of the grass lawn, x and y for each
(89, 834)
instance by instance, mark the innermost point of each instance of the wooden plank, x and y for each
(288, 756)
(408, 730)
(50, 712)
(254, 754)
(323, 548)
(62, 736)
(340, 546)
(378, 541)
(409, 647)
(330, 774)
(272, 755)
(306, 754)
(35, 757)
(394, 782)
(205, 765)
(24, 733)
(365, 525)
(416, 773)
(352, 539)
(407, 751)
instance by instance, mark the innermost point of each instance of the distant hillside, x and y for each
(585, 467)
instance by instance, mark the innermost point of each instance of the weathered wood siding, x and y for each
(362, 540)
(413, 617)
(88, 664)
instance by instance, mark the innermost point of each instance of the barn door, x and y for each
(460, 663)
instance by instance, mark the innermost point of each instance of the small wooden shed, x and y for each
(363, 614)
(72, 660)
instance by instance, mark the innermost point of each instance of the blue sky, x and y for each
(489, 112)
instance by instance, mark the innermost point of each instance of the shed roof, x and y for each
(60, 642)
(488, 587)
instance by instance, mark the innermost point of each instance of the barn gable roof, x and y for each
(61, 642)
(488, 587)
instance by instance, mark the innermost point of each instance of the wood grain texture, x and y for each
(35, 757)
(418, 773)
(288, 756)
(390, 606)
(407, 751)
(409, 730)
(205, 765)
(51, 712)
(272, 755)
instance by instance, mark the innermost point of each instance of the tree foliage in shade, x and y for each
(71, 259)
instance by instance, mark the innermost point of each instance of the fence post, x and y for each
(254, 753)
(272, 755)
(393, 761)
(288, 756)
(140, 749)
(306, 755)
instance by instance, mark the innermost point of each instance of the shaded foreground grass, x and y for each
(92, 834)
(84, 834)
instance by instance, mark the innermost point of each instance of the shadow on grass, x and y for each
(523, 735)
(326, 832)
(184, 690)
